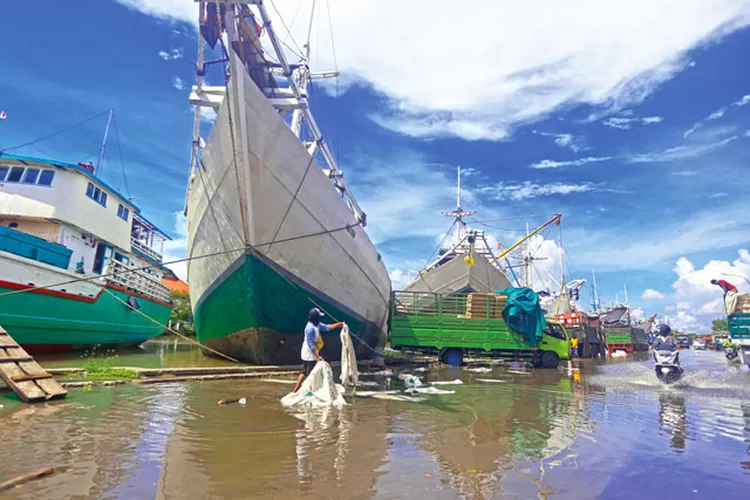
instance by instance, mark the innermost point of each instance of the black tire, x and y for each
(536, 360)
(550, 359)
(452, 357)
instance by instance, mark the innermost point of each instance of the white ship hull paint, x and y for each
(256, 202)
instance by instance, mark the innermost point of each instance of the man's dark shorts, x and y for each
(307, 367)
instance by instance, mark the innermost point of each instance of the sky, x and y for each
(629, 117)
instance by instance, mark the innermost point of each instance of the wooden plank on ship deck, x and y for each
(23, 375)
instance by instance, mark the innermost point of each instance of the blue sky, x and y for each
(631, 121)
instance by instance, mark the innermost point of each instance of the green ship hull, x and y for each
(256, 312)
(45, 321)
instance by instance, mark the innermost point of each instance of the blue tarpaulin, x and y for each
(523, 314)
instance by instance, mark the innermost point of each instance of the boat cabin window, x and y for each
(45, 178)
(123, 212)
(30, 175)
(96, 194)
(555, 330)
(15, 174)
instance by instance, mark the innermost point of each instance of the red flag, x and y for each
(3, 115)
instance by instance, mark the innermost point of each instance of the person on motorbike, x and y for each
(664, 340)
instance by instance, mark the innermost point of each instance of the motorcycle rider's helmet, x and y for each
(664, 330)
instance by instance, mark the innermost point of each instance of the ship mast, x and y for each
(594, 295)
(104, 142)
(459, 213)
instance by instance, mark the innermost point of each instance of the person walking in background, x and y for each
(312, 343)
(574, 346)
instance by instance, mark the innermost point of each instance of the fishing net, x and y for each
(318, 389)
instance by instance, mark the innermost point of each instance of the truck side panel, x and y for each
(448, 331)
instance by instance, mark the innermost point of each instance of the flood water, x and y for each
(603, 431)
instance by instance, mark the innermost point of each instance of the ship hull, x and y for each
(267, 328)
(275, 228)
(72, 316)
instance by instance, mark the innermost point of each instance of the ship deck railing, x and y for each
(141, 282)
(145, 249)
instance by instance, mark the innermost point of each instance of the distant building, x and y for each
(174, 283)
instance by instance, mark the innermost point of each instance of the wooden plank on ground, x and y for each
(23, 375)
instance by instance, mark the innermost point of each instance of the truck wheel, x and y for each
(536, 360)
(452, 357)
(550, 359)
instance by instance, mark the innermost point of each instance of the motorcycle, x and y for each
(731, 353)
(668, 368)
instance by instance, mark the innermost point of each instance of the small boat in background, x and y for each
(70, 251)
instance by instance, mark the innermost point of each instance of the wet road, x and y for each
(599, 431)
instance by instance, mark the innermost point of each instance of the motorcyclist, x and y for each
(664, 340)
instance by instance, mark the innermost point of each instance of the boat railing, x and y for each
(145, 249)
(138, 281)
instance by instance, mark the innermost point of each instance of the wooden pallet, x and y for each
(23, 375)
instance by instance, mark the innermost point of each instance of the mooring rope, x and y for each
(168, 328)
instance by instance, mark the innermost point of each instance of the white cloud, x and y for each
(680, 152)
(175, 249)
(526, 190)
(208, 115)
(718, 227)
(685, 173)
(173, 54)
(719, 113)
(432, 126)
(398, 279)
(178, 83)
(651, 294)
(568, 141)
(505, 64)
(569, 163)
(696, 301)
(626, 123)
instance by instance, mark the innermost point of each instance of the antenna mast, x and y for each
(104, 142)
(459, 213)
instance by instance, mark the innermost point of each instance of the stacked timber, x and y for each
(743, 303)
(485, 305)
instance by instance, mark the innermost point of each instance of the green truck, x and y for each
(739, 334)
(446, 326)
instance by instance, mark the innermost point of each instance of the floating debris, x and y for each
(492, 380)
(410, 380)
(427, 390)
(242, 401)
(367, 383)
(448, 382)
(398, 397)
(481, 369)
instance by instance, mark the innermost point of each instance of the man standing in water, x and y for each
(310, 344)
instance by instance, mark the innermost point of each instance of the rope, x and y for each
(186, 259)
(288, 31)
(171, 330)
(64, 129)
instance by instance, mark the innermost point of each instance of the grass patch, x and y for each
(95, 371)
(99, 367)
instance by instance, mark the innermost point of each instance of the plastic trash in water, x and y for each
(427, 390)
(491, 380)
(480, 369)
(367, 383)
(410, 380)
(420, 369)
(448, 382)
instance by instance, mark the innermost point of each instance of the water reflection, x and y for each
(589, 430)
(673, 419)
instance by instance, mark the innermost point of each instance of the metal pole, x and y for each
(197, 112)
(104, 142)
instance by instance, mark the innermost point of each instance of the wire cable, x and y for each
(60, 131)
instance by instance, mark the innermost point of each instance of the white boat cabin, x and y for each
(63, 215)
